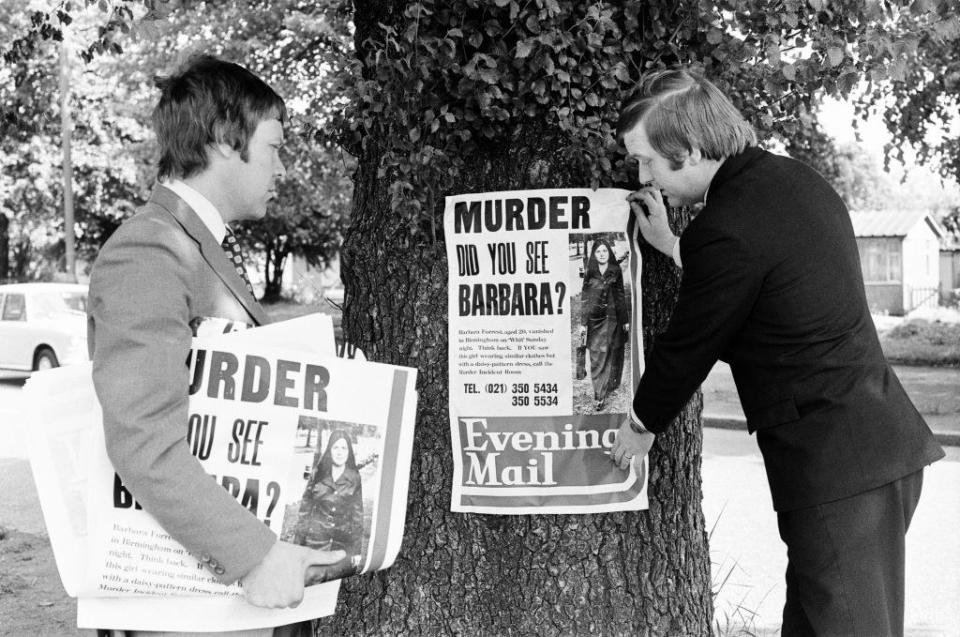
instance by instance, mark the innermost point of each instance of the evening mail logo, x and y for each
(544, 461)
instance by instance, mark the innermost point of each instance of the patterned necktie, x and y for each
(231, 246)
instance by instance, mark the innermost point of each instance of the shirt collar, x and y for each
(207, 212)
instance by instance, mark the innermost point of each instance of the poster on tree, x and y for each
(545, 350)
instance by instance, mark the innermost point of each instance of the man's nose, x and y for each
(280, 171)
(644, 174)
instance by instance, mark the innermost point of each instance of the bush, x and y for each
(923, 342)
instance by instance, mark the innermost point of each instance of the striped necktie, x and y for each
(231, 246)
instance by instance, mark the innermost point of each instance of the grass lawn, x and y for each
(922, 342)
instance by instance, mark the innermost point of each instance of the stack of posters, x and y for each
(279, 425)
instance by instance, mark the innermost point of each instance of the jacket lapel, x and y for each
(211, 251)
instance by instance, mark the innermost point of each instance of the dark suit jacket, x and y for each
(160, 270)
(772, 285)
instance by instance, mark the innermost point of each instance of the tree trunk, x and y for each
(22, 253)
(4, 247)
(273, 276)
(644, 573)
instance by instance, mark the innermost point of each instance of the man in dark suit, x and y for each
(772, 285)
(166, 270)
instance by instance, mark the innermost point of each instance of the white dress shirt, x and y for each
(207, 212)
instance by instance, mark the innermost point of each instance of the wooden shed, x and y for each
(900, 257)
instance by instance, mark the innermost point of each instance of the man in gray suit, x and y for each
(162, 273)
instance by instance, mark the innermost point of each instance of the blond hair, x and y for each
(681, 110)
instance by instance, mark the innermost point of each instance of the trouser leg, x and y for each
(795, 622)
(845, 573)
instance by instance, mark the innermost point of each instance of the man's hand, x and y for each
(653, 223)
(277, 581)
(628, 444)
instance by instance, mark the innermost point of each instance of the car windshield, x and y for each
(51, 304)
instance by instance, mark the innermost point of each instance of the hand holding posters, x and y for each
(545, 349)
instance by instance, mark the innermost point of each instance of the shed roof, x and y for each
(890, 223)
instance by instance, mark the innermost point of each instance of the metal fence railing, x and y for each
(924, 297)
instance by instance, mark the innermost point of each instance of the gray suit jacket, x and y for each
(160, 270)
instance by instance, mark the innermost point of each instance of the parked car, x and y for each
(42, 325)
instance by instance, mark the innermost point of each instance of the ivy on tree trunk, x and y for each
(637, 573)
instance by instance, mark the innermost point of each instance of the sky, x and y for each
(836, 116)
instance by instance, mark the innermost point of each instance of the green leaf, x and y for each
(490, 76)
(790, 72)
(524, 48)
(773, 53)
(621, 73)
(547, 63)
(835, 55)
(714, 36)
(898, 70)
(847, 81)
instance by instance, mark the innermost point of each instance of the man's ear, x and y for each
(694, 157)
(221, 150)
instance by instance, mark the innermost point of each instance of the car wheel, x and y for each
(45, 359)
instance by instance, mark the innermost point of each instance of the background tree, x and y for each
(105, 181)
(114, 151)
(919, 96)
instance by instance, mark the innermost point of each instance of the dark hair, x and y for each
(209, 101)
(593, 266)
(325, 466)
(682, 110)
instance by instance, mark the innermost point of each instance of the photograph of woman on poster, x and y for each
(331, 511)
(605, 320)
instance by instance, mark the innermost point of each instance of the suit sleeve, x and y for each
(720, 284)
(140, 307)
